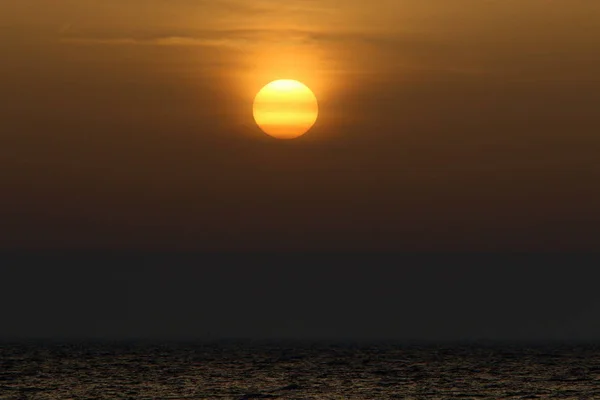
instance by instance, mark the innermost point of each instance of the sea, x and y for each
(236, 369)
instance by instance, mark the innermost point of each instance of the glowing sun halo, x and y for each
(285, 109)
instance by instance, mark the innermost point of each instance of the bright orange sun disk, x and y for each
(285, 109)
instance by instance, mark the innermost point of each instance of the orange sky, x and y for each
(462, 125)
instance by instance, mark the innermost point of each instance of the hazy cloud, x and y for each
(233, 37)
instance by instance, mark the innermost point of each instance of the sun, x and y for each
(285, 109)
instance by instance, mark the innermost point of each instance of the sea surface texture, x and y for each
(235, 370)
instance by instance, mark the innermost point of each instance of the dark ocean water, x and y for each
(236, 370)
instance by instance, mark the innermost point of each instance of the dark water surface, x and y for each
(245, 370)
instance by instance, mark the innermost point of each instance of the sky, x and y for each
(128, 149)
(469, 125)
(468, 297)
